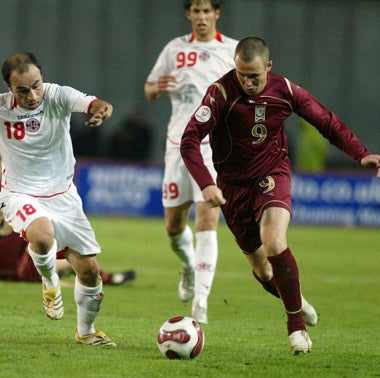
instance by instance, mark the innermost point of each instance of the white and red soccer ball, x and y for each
(180, 337)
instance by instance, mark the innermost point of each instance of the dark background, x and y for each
(108, 47)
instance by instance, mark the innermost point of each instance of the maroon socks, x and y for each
(269, 286)
(286, 279)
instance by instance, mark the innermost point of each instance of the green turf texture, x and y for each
(246, 335)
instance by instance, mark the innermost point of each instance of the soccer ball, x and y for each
(180, 337)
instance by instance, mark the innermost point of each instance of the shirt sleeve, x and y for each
(162, 65)
(68, 98)
(327, 123)
(201, 123)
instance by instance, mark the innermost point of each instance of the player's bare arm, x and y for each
(101, 111)
(165, 83)
(213, 196)
(371, 161)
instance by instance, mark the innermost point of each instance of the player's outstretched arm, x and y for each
(371, 161)
(213, 196)
(101, 110)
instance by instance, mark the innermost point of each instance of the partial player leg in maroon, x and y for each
(15, 263)
(286, 278)
(269, 286)
(26, 270)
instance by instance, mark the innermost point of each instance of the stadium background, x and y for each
(107, 48)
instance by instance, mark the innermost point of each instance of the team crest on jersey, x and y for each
(203, 114)
(32, 125)
(204, 55)
(259, 113)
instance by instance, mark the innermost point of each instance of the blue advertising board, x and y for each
(120, 189)
(345, 200)
(323, 199)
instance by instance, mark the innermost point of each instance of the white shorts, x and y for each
(179, 186)
(65, 211)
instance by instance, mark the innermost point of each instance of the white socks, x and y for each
(183, 246)
(206, 255)
(45, 265)
(204, 258)
(88, 300)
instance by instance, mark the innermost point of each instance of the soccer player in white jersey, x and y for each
(185, 68)
(38, 197)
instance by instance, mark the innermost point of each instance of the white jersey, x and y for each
(35, 145)
(196, 65)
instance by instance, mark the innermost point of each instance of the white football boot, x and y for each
(199, 311)
(186, 284)
(308, 313)
(52, 302)
(300, 342)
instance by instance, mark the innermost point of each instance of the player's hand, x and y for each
(166, 83)
(371, 161)
(213, 196)
(102, 112)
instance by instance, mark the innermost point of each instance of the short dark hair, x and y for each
(216, 4)
(250, 47)
(19, 62)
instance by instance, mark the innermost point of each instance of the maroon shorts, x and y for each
(245, 205)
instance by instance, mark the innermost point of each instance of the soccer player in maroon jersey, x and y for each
(243, 113)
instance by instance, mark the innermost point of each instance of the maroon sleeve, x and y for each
(199, 126)
(328, 123)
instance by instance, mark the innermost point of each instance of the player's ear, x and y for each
(188, 14)
(269, 65)
(217, 14)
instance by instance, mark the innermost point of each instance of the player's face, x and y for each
(203, 20)
(252, 76)
(27, 87)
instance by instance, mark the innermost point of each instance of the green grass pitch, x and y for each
(246, 335)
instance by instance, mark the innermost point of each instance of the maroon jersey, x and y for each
(247, 133)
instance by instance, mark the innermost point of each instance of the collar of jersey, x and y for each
(218, 37)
